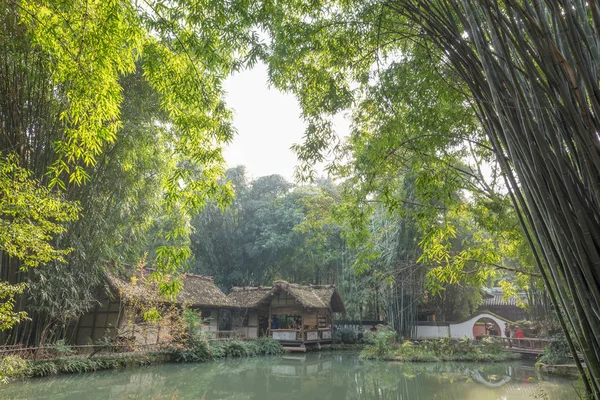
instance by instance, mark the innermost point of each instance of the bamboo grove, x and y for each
(532, 70)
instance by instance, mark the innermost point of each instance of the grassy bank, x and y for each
(14, 367)
(383, 346)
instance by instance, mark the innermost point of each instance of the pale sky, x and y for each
(268, 124)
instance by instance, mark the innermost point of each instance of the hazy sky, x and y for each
(268, 123)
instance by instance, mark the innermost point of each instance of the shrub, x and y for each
(345, 336)
(81, 364)
(236, 348)
(381, 342)
(445, 349)
(192, 351)
(12, 367)
(191, 344)
(250, 348)
(60, 348)
(557, 350)
(269, 346)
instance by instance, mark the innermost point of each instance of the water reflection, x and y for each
(308, 376)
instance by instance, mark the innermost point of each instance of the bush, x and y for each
(191, 345)
(60, 349)
(445, 349)
(381, 342)
(12, 367)
(345, 336)
(241, 348)
(269, 346)
(557, 350)
(81, 364)
(236, 348)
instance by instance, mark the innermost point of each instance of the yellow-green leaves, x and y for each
(88, 45)
(184, 50)
(30, 216)
(9, 318)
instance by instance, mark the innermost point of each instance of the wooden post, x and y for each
(269, 332)
(302, 325)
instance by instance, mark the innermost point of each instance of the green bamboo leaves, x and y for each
(31, 216)
(184, 51)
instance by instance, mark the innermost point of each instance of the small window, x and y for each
(206, 316)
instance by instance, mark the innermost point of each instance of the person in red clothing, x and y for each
(519, 333)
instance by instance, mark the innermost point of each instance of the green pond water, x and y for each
(307, 376)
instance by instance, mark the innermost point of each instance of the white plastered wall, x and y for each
(456, 331)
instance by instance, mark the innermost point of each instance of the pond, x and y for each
(302, 376)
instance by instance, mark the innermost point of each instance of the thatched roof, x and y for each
(249, 296)
(198, 291)
(309, 296)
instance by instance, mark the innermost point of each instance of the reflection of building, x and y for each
(296, 315)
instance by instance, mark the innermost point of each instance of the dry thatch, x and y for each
(250, 297)
(309, 296)
(197, 292)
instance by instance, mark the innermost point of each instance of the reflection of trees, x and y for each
(323, 375)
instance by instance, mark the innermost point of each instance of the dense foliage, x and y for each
(557, 351)
(384, 347)
(71, 131)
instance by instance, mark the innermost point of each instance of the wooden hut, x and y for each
(296, 315)
(116, 313)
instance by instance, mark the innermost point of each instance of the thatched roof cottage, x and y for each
(296, 315)
(115, 314)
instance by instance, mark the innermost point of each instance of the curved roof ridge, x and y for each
(240, 288)
(206, 277)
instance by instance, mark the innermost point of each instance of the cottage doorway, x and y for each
(224, 322)
(263, 324)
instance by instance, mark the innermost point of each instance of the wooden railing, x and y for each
(301, 335)
(530, 344)
(225, 335)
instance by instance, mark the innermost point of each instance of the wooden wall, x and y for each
(102, 320)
